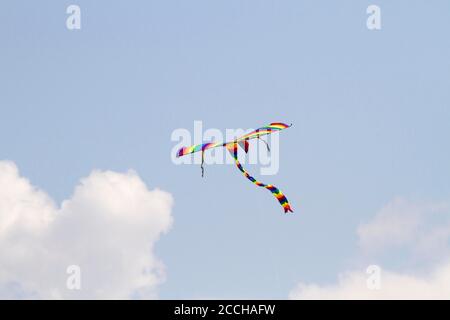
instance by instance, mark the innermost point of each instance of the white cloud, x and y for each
(399, 223)
(353, 285)
(420, 230)
(108, 227)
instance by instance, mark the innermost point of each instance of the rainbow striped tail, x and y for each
(233, 148)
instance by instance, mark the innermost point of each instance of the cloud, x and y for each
(418, 230)
(108, 227)
(353, 285)
(399, 223)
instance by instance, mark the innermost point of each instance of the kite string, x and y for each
(265, 142)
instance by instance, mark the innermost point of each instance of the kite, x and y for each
(232, 147)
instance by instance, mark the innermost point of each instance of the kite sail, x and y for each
(232, 147)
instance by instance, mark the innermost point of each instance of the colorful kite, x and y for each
(243, 143)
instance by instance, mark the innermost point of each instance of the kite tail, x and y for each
(203, 163)
(275, 191)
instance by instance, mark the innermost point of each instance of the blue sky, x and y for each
(370, 111)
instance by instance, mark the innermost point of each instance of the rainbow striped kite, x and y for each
(243, 143)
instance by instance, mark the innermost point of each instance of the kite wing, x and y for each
(271, 128)
(243, 141)
(197, 147)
